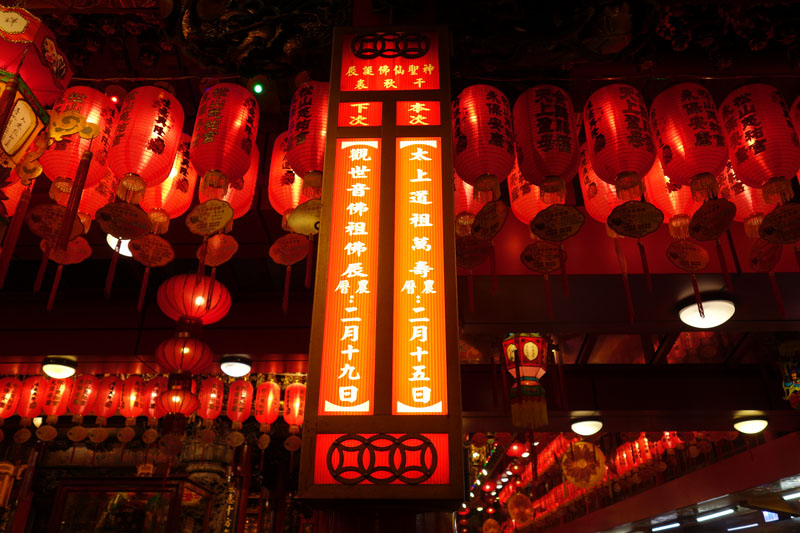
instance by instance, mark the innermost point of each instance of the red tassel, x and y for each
(724, 266)
(42, 268)
(54, 289)
(143, 289)
(470, 292)
(112, 269)
(562, 257)
(777, 293)
(309, 261)
(645, 268)
(734, 255)
(493, 268)
(211, 287)
(547, 296)
(74, 201)
(697, 297)
(10, 242)
(287, 281)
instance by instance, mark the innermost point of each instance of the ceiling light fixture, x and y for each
(750, 425)
(236, 365)
(747, 526)
(712, 516)
(479, 509)
(59, 366)
(587, 426)
(123, 247)
(525, 455)
(673, 525)
(717, 310)
(791, 496)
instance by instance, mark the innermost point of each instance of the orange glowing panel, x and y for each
(419, 382)
(348, 345)
(390, 61)
(354, 114)
(418, 113)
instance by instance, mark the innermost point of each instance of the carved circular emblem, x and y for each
(390, 45)
(382, 459)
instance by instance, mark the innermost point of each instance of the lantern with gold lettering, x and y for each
(526, 360)
(109, 395)
(266, 406)
(308, 125)
(10, 391)
(83, 397)
(133, 400)
(211, 398)
(751, 208)
(172, 197)
(294, 409)
(32, 398)
(674, 200)
(55, 405)
(240, 405)
(152, 392)
(239, 194)
(285, 188)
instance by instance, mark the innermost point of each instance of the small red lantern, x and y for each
(547, 139)
(763, 145)
(108, 397)
(211, 398)
(184, 354)
(84, 395)
(489, 486)
(267, 404)
(516, 449)
(224, 137)
(294, 406)
(178, 402)
(145, 140)
(285, 188)
(526, 199)
(675, 201)
(308, 124)
(490, 510)
(599, 197)
(94, 198)
(133, 400)
(526, 360)
(182, 298)
(10, 392)
(57, 399)
(240, 195)
(152, 392)
(240, 402)
(466, 205)
(32, 398)
(172, 197)
(621, 148)
(751, 208)
(483, 139)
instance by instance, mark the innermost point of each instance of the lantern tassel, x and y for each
(112, 269)
(470, 292)
(309, 261)
(548, 297)
(697, 297)
(286, 283)
(623, 266)
(645, 268)
(201, 264)
(54, 289)
(10, 242)
(143, 289)
(734, 255)
(493, 267)
(724, 266)
(777, 293)
(37, 284)
(211, 287)
(74, 201)
(562, 257)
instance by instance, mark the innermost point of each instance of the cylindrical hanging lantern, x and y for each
(93, 198)
(675, 201)
(294, 406)
(620, 145)
(210, 396)
(240, 402)
(466, 205)
(32, 398)
(599, 197)
(84, 395)
(482, 137)
(751, 208)
(547, 139)
(184, 354)
(240, 195)
(172, 197)
(526, 198)
(145, 140)
(267, 404)
(690, 142)
(108, 397)
(10, 393)
(56, 401)
(285, 188)
(133, 399)
(224, 136)
(152, 392)
(308, 126)
(763, 145)
(182, 298)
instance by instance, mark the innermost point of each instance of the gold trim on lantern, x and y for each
(777, 190)
(704, 186)
(629, 186)
(131, 188)
(553, 190)
(751, 225)
(679, 227)
(159, 220)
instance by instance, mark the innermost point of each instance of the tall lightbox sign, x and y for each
(383, 415)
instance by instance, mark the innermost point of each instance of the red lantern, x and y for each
(526, 198)
(184, 354)
(178, 402)
(285, 188)
(32, 398)
(267, 404)
(152, 392)
(599, 197)
(751, 208)
(173, 196)
(466, 205)
(763, 146)
(483, 139)
(12, 195)
(133, 400)
(489, 486)
(526, 360)
(240, 402)
(240, 195)
(294, 406)
(182, 298)
(621, 147)
(145, 140)
(675, 201)
(57, 398)
(10, 392)
(108, 396)
(691, 144)
(84, 395)
(210, 396)
(547, 139)
(308, 126)
(516, 449)
(96, 197)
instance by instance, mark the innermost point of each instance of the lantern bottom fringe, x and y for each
(312, 180)
(777, 190)
(629, 186)
(553, 190)
(214, 185)
(131, 188)
(530, 412)
(679, 227)
(159, 219)
(704, 186)
(485, 184)
(751, 225)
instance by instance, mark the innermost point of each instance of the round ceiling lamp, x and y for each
(717, 310)
(59, 366)
(236, 365)
(750, 425)
(587, 426)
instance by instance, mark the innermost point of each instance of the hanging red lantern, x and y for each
(109, 394)
(179, 402)
(267, 404)
(10, 393)
(240, 195)
(483, 138)
(526, 360)
(133, 399)
(93, 199)
(466, 205)
(763, 145)
(285, 188)
(32, 398)
(182, 298)
(547, 139)
(152, 392)
(145, 140)
(690, 140)
(620, 146)
(84, 395)
(675, 201)
(240, 402)
(526, 198)
(210, 396)
(184, 354)
(294, 406)
(56, 401)
(308, 126)
(599, 197)
(751, 208)
(172, 197)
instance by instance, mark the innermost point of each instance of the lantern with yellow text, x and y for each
(308, 126)
(547, 139)
(763, 145)
(285, 188)
(32, 398)
(240, 402)
(184, 354)
(152, 406)
(751, 208)
(133, 400)
(211, 399)
(10, 392)
(83, 397)
(690, 142)
(182, 298)
(239, 195)
(526, 360)
(620, 145)
(675, 201)
(266, 407)
(294, 409)
(172, 197)
(109, 395)
(57, 399)
(483, 138)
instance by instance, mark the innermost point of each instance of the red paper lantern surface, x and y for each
(133, 399)
(267, 403)
(483, 137)
(620, 145)
(152, 392)
(526, 198)
(763, 145)
(178, 402)
(173, 196)
(57, 398)
(62, 158)
(10, 392)
(10, 196)
(109, 394)
(84, 395)
(690, 141)
(675, 201)
(32, 397)
(145, 140)
(599, 197)
(285, 188)
(224, 137)
(467, 205)
(546, 138)
(182, 298)
(211, 395)
(308, 126)
(240, 196)
(240, 401)
(750, 204)
(294, 404)
(93, 198)
(184, 354)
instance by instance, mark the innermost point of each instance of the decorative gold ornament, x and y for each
(46, 433)
(583, 465)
